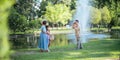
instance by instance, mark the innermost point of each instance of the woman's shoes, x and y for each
(41, 51)
(45, 50)
(48, 50)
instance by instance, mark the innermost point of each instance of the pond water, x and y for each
(31, 41)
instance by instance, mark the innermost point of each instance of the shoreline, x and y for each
(57, 32)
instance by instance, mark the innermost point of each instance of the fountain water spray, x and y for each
(82, 14)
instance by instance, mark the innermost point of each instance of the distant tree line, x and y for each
(105, 13)
(28, 14)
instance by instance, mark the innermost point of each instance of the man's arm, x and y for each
(73, 26)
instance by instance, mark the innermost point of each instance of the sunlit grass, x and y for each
(94, 50)
(117, 27)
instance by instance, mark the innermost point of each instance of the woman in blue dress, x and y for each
(43, 40)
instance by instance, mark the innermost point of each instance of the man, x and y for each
(76, 27)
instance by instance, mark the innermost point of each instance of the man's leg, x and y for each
(79, 44)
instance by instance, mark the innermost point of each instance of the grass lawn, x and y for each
(107, 49)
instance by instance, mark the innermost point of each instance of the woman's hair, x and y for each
(44, 22)
(47, 27)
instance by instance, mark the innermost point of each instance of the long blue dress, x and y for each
(43, 40)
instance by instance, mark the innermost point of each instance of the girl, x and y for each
(50, 37)
(48, 34)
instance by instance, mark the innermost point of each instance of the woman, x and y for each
(43, 41)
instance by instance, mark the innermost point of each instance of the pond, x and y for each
(31, 41)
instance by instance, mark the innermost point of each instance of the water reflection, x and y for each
(115, 34)
(30, 40)
(87, 36)
(60, 40)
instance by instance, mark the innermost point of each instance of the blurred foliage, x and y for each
(58, 13)
(44, 3)
(23, 12)
(25, 16)
(34, 24)
(25, 7)
(4, 45)
(111, 8)
(61, 11)
(95, 16)
(17, 22)
(105, 15)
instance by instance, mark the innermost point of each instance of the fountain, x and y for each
(82, 14)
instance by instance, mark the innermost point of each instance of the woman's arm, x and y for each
(73, 26)
(43, 29)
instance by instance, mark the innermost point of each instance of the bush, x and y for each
(17, 22)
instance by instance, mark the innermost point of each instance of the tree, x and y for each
(95, 15)
(117, 20)
(34, 24)
(73, 4)
(112, 5)
(67, 2)
(58, 12)
(4, 44)
(17, 22)
(42, 8)
(26, 8)
(44, 3)
(21, 14)
(106, 15)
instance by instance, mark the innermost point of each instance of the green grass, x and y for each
(93, 50)
(117, 27)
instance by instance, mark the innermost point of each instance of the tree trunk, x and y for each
(98, 28)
